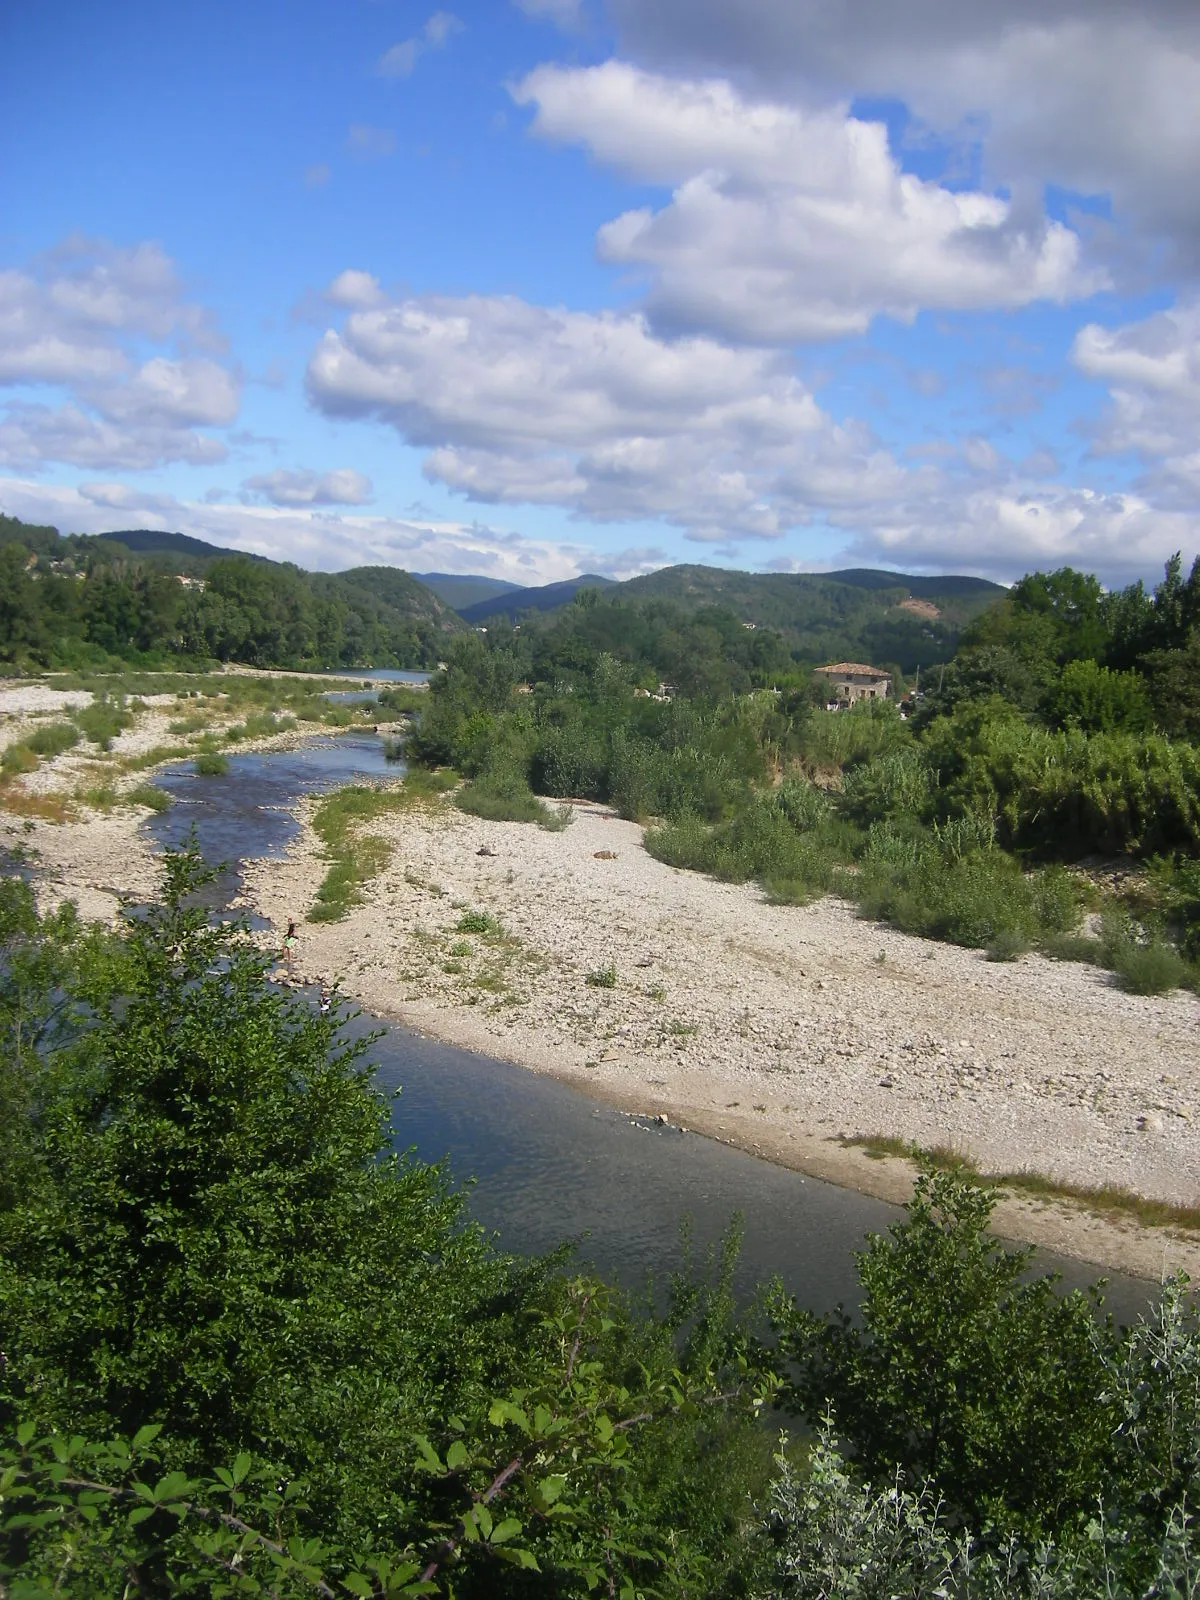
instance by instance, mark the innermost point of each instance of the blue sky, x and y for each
(564, 285)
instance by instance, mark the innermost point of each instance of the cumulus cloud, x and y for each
(1098, 96)
(321, 540)
(354, 288)
(592, 411)
(1152, 370)
(1004, 530)
(79, 319)
(342, 487)
(31, 435)
(399, 61)
(788, 224)
(518, 404)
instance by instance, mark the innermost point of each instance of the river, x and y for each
(548, 1163)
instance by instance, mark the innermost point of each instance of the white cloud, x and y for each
(593, 412)
(1003, 531)
(399, 61)
(1098, 96)
(355, 289)
(342, 487)
(320, 541)
(1152, 369)
(524, 404)
(79, 319)
(31, 435)
(788, 224)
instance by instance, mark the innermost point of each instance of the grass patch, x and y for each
(103, 720)
(53, 739)
(1106, 1200)
(507, 798)
(47, 807)
(154, 757)
(480, 922)
(1152, 968)
(99, 797)
(602, 977)
(18, 758)
(150, 796)
(357, 858)
(210, 765)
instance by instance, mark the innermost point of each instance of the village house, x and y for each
(851, 680)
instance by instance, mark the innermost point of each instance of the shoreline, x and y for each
(782, 1031)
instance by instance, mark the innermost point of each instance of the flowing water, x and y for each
(547, 1162)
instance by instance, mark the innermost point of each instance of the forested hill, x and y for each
(889, 618)
(460, 591)
(884, 617)
(151, 598)
(544, 597)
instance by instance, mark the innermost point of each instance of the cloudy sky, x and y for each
(536, 287)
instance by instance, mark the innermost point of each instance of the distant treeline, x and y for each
(76, 602)
(1066, 726)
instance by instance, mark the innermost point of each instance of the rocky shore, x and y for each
(789, 1031)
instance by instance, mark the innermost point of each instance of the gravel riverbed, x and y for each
(782, 1029)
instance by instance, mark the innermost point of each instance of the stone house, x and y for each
(852, 680)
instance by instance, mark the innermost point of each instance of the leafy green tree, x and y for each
(1095, 699)
(204, 1229)
(965, 1371)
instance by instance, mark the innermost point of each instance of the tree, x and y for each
(212, 1235)
(965, 1372)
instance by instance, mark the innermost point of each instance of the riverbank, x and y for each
(787, 1031)
(79, 813)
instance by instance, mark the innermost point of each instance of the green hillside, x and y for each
(545, 597)
(464, 589)
(153, 598)
(886, 618)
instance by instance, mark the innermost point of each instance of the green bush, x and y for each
(602, 977)
(150, 796)
(210, 765)
(53, 739)
(1008, 945)
(480, 922)
(103, 720)
(1151, 968)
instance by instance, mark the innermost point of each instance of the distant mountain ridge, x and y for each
(460, 590)
(152, 542)
(545, 597)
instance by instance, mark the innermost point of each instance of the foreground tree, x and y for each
(213, 1236)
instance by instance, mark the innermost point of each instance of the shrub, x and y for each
(210, 765)
(479, 922)
(1008, 945)
(1151, 968)
(602, 977)
(149, 795)
(53, 739)
(103, 720)
(18, 758)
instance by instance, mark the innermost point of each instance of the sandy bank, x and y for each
(779, 1029)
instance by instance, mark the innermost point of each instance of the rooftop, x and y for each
(855, 669)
